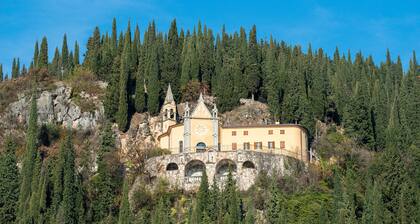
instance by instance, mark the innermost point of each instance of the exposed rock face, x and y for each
(54, 106)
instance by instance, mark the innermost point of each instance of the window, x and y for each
(270, 132)
(271, 145)
(234, 146)
(257, 145)
(245, 132)
(282, 145)
(282, 132)
(246, 146)
(233, 133)
(181, 146)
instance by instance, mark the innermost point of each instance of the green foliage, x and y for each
(124, 216)
(43, 54)
(28, 164)
(9, 177)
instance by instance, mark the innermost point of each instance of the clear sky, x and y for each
(359, 25)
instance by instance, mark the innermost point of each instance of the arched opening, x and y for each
(248, 165)
(200, 147)
(171, 167)
(195, 168)
(225, 166)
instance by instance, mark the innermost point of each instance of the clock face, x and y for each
(201, 130)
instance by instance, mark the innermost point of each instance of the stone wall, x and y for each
(183, 170)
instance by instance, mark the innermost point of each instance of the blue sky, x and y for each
(368, 26)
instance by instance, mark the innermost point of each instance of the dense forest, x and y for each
(367, 167)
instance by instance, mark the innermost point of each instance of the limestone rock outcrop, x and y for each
(54, 106)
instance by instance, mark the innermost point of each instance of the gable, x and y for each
(201, 111)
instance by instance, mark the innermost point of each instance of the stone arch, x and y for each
(224, 166)
(195, 168)
(172, 167)
(248, 165)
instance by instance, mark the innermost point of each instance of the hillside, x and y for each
(75, 134)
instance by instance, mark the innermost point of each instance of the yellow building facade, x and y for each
(200, 131)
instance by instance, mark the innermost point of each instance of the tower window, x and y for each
(245, 132)
(270, 132)
(181, 146)
(233, 133)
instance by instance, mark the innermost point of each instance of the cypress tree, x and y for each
(28, 163)
(36, 55)
(153, 87)
(111, 97)
(93, 54)
(202, 199)
(68, 204)
(65, 60)
(9, 177)
(34, 210)
(161, 213)
(140, 96)
(103, 186)
(76, 56)
(114, 40)
(253, 69)
(43, 54)
(1, 72)
(122, 113)
(55, 63)
(171, 65)
(250, 214)
(124, 216)
(14, 72)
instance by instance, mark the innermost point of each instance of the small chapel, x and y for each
(198, 130)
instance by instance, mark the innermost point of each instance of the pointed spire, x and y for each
(169, 96)
(200, 99)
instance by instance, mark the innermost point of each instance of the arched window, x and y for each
(248, 165)
(171, 167)
(200, 147)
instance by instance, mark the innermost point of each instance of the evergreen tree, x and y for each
(28, 163)
(161, 213)
(9, 177)
(93, 53)
(76, 54)
(1, 72)
(252, 69)
(103, 186)
(250, 214)
(122, 113)
(65, 59)
(124, 216)
(374, 210)
(36, 55)
(112, 98)
(201, 205)
(153, 87)
(171, 68)
(43, 54)
(140, 98)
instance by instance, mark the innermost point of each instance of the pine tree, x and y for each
(124, 216)
(28, 163)
(43, 54)
(9, 177)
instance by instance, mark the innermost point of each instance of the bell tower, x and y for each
(168, 111)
